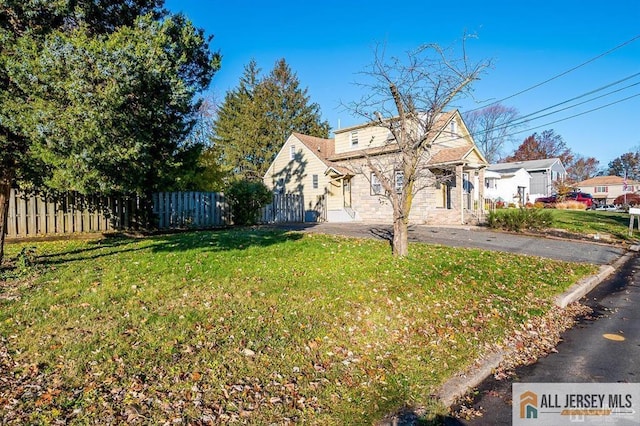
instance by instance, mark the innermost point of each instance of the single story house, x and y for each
(605, 189)
(543, 175)
(338, 186)
(508, 183)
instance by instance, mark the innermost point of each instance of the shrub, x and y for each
(519, 219)
(631, 199)
(538, 205)
(571, 205)
(246, 198)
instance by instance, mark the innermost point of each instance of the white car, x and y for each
(607, 208)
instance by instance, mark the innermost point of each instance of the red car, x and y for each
(582, 197)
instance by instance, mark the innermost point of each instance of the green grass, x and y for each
(593, 222)
(256, 325)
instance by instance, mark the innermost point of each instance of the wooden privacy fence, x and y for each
(31, 216)
(34, 215)
(190, 210)
(285, 208)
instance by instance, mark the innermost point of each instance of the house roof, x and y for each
(392, 147)
(529, 165)
(440, 122)
(450, 155)
(323, 148)
(606, 180)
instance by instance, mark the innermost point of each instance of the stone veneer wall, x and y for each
(377, 209)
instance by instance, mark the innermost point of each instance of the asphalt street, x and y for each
(604, 348)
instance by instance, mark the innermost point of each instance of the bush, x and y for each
(246, 198)
(519, 219)
(571, 205)
(631, 199)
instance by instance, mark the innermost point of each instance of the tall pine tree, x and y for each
(97, 95)
(256, 118)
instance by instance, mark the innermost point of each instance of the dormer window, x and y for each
(354, 138)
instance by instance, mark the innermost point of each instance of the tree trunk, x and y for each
(400, 243)
(5, 193)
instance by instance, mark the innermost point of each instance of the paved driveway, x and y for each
(477, 237)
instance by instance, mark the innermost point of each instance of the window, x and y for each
(453, 129)
(292, 152)
(315, 181)
(601, 189)
(398, 179)
(376, 186)
(354, 138)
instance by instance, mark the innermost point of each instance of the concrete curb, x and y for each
(459, 385)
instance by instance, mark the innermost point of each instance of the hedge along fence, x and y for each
(32, 216)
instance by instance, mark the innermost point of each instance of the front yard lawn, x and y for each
(258, 326)
(590, 222)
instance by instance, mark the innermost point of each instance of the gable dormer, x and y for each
(360, 137)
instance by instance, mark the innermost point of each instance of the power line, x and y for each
(579, 103)
(575, 115)
(582, 96)
(561, 74)
(523, 119)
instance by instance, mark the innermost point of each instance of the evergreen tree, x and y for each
(257, 117)
(97, 95)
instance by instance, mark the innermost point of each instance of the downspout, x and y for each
(461, 195)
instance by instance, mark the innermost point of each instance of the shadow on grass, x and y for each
(231, 239)
(211, 240)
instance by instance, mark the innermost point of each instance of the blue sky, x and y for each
(326, 43)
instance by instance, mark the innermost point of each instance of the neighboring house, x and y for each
(508, 183)
(605, 189)
(543, 175)
(338, 186)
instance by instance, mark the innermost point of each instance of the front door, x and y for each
(346, 191)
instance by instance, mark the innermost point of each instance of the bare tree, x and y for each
(491, 128)
(408, 96)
